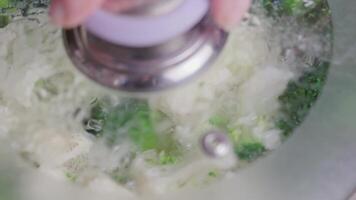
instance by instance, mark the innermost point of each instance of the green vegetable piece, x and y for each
(44, 89)
(47, 88)
(134, 120)
(99, 110)
(142, 130)
(167, 159)
(300, 96)
(219, 122)
(297, 8)
(47, 85)
(120, 178)
(131, 118)
(268, 5)
(292, 7)
(4, 3)
(246, 146)
(250, 151)
(71, 177)
(321, 12)
(213, 174)
(4, 20)
(98, 115)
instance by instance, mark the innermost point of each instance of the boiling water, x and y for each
(261, 88)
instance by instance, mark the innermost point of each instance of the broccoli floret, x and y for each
(98, 115)
(4, 20)
(121, 178)
(246, 146)
(300, 96)
(219, 121)
(320, 12)
(22, 7)
(142, 130)
(4, 3)
(283, 7)
(99, 110)
(213, 174)
(167, 159)
(296, 8)
(249, 151)
(132, 119)
(71, 177)
(44, 89)
(292, 7)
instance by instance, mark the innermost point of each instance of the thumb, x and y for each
(70, 13)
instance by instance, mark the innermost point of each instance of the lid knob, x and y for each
(135, 30)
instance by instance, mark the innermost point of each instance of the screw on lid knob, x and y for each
(144, 31)
(216, 144)
(140, 52)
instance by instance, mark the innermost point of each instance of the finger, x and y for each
(228, 13)
(119, 5)
(70, 13)
(122, 5)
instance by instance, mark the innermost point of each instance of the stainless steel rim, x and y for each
(146, 69)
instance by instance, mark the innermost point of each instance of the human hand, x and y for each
(70, 13)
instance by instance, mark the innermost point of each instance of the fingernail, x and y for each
(57, 12)
(228, 13)
(121, 5)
